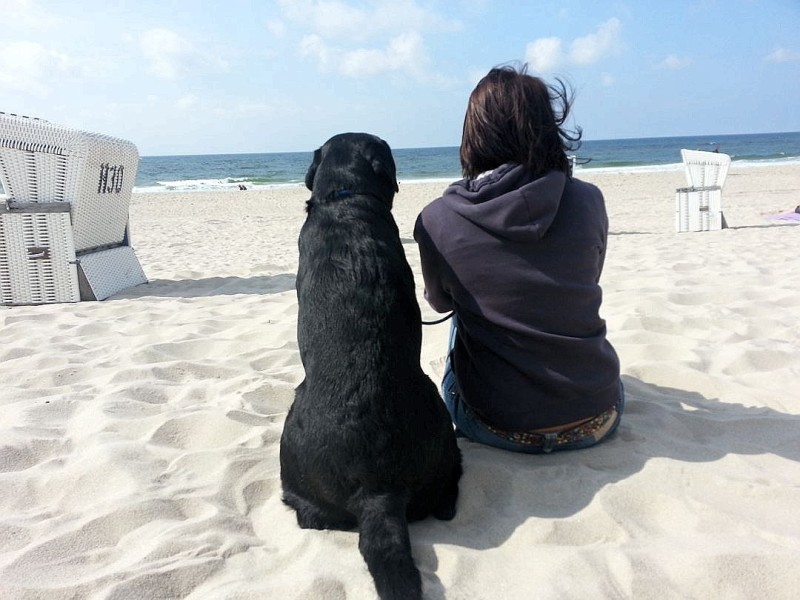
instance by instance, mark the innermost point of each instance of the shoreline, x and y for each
(580, 172)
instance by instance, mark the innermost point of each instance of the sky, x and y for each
(202, 77)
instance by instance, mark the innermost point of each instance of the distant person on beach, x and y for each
(516, 250)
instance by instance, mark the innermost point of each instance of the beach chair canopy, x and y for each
(705, 169)
(698, 207)
(65, 215)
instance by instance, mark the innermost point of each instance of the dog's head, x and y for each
(350, 164)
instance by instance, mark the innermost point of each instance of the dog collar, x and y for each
(343, 194)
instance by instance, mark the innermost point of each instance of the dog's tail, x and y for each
(386, 547)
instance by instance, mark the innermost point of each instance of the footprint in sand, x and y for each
(14, 458)
(201, 431)
(270, 399)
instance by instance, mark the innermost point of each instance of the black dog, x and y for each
(368, 442)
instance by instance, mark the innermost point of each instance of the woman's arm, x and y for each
(435, 293)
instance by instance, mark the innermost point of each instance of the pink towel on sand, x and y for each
(791, 217)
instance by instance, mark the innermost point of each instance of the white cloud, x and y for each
(546, 54)
(29, 67)
(404, 53)
(782, 55)
(339, 20)
(27, 16)
(364, 41)
(673, 62)
(277, 28)
(186, 102)
(596, 46)
(166, 51)
(172, 56)
(314, 46)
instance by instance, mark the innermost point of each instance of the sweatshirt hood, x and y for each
(509, 202)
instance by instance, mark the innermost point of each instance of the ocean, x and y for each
(230, 171)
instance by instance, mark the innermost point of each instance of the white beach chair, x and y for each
(699, 206)
(64, 224)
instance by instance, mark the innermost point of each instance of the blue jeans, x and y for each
(470, 426)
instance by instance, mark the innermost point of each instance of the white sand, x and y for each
(139, 435)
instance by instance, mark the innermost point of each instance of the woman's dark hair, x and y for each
(516, 117)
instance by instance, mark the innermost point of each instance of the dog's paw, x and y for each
(445, 513)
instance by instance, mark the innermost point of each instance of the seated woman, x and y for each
(516, 250)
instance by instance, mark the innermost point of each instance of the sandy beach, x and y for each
(139, 435)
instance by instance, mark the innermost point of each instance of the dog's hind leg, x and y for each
(311, 515)
(385, 545)
(446, 507)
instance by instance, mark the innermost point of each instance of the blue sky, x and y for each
(201, 77)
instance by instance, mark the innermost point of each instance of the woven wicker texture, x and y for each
(704, 169)
(110, 271)
(698, 210)
(44, 162)
(37, 262)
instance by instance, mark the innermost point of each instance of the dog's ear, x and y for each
(312, 170)
(380, 157)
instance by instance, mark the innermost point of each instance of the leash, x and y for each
(437, 321)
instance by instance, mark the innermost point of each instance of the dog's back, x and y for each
(368, 441)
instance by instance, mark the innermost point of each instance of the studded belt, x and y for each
(595, 428)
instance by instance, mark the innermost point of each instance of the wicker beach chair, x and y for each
(698, 207)
(64, 233)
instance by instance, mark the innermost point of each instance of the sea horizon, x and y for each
(233, 172)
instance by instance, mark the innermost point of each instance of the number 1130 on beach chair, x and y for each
(64, 233)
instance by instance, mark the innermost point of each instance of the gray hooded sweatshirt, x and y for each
(519, 260)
